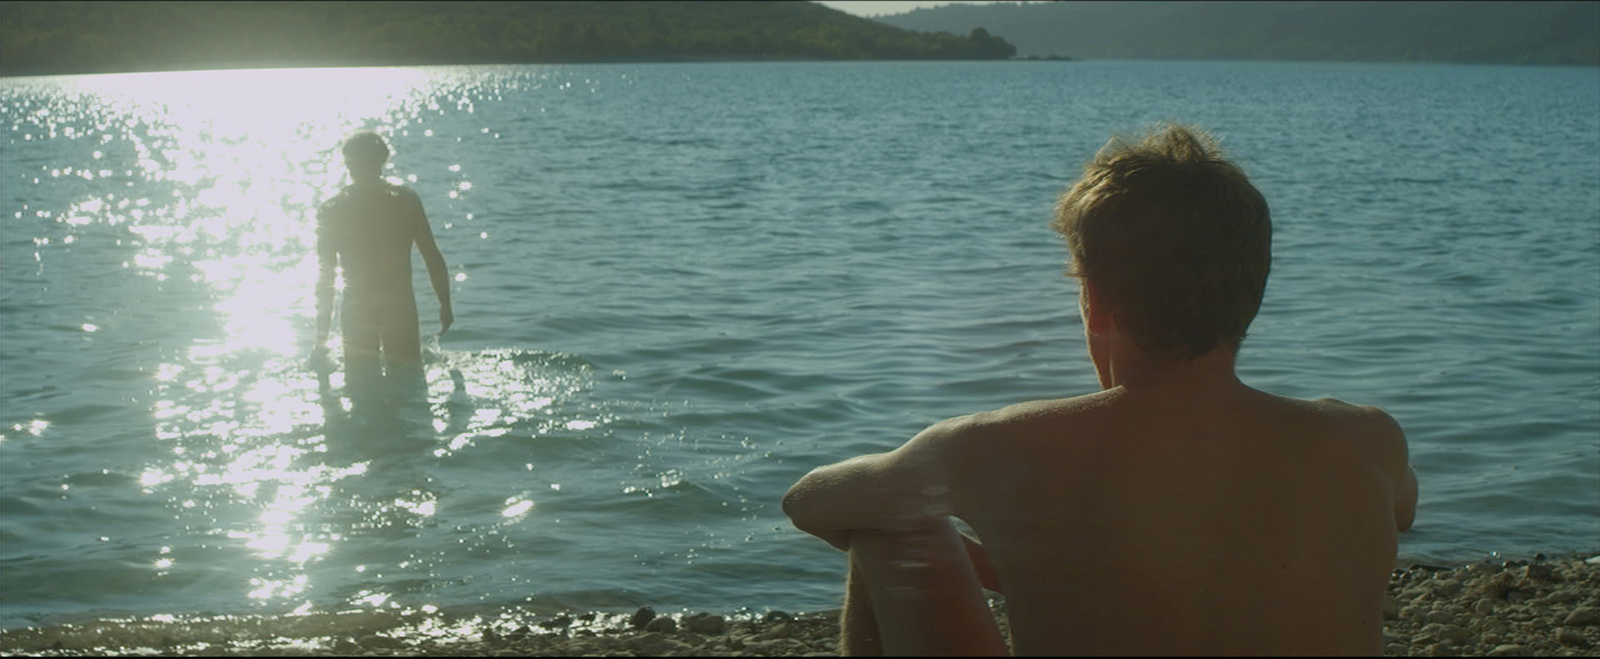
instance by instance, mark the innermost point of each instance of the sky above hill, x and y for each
(883, 7)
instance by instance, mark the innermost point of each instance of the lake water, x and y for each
(680, 287)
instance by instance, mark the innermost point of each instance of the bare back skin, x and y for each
(1218, 522)
(1176, 510)
(369, 230)
(1187, 514)
(371, 227)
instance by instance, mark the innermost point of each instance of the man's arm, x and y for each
(1405, 508)
(981, 564)
(438, 273)
(1405, 484)
(883, 491)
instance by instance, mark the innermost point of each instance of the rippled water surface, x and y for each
(680, 287)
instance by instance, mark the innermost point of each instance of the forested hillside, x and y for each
(1475, 32)
(92, 37)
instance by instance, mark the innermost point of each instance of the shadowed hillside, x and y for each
(1475, 32)
(96, 37)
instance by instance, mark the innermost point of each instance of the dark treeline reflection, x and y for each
(99, 37)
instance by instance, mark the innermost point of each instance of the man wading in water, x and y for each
(1176, 511)
(367, 230)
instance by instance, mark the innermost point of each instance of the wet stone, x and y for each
(1582, 618)
(642, 617)
(663, 625)
(781, 630)
(1571, 637)
(1452, 634)
(380, 642)
(1539, 572)
(705, 623)
(664, 648)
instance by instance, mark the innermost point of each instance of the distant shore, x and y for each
(380, 65)
(1545, 607)
(56, 38)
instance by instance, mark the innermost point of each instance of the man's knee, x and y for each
(931, 555)
(925, 592)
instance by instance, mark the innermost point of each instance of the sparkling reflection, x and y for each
(210, 180)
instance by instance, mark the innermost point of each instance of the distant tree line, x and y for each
(89, 37)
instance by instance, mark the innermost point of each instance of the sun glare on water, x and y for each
(251, 153)
(207, 183)
(226, 171)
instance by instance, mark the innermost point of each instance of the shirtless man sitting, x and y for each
(1177, 510)
(367, 230)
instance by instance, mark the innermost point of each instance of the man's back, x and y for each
(373, 227)
(1219, 521)
(368, 230)
(1177, 511)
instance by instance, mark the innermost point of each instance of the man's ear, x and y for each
(1097, 316)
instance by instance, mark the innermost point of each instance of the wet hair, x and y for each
(1175, 239)
(365, 147)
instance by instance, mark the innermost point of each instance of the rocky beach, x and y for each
(1546, 606)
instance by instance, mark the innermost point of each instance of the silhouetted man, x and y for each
(367, 230)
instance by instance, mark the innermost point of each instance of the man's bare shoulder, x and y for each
(974, 437)
(408, 199)
(1365, 420)
(1022, 415)
(338, 199)
(1373, 431)
(366, 198)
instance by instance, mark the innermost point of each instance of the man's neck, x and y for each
(1134, 369)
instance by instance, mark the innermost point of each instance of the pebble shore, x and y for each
(1540, 607)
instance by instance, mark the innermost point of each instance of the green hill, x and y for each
(1468, 32)
(38, 38)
